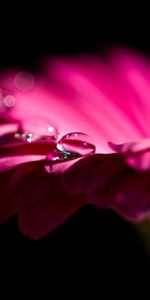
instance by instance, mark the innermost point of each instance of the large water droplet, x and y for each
(71, 146)
(76, 143)
(36, 128)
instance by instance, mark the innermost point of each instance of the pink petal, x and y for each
(103, 97)
(8, 128)
(45, 204)
(133, 197)
(91, 173)
(106, 181)
(137, 154)
(108, 100)
(94, 97)
(7, 204)
(131, 148)
(140, 162)
(15, 154)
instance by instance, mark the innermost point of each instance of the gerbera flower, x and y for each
(48, 168)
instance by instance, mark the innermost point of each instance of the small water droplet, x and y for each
(77, 143)
(36, 128)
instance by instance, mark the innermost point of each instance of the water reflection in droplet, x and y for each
(71, 146)
(76, 142)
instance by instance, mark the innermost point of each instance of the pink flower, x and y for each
(108, 100)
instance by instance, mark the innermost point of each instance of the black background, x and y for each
(92, 246)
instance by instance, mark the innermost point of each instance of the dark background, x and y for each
(93, 247)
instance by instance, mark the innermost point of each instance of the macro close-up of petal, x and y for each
(75, 134)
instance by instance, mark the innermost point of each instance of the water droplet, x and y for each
(71, 146)
(61, 156)
(36, 128)
(76, 143)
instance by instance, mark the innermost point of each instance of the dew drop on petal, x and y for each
(37, 129)
(76, 142)
(70, 147)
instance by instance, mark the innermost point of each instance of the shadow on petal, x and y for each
(43, 203)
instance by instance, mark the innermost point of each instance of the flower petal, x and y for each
(139, 162)
(15, 154)
(7, 203)
(92, 172)
(137, 154)
(97, 98)
(49, 205)
(107, 181)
